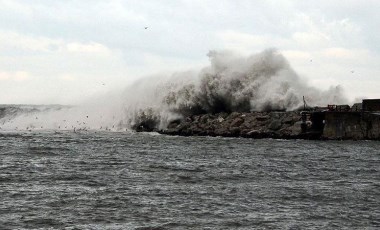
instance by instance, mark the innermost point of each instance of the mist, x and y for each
(260, 82)
(231, 82)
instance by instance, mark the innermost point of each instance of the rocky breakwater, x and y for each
(284, 125)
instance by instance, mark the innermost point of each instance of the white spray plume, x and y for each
(100, 113)
(260, 82)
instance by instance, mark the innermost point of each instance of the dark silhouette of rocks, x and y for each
(285, 125)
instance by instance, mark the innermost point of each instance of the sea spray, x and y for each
(260, 82)
(100, 113)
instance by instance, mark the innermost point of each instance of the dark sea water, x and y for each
(113, 180)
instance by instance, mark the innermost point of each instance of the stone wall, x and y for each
(351, 125)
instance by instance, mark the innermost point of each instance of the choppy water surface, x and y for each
(142, 181)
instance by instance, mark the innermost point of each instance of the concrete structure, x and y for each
(341, 122)
(371, 105)
(351, 125)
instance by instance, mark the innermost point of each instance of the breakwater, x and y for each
(253, 125)
(281, 125)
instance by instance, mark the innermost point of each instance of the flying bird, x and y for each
(146, 27)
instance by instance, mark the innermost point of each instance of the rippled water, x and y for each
(142, 181)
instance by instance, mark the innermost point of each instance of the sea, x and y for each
(147, 181)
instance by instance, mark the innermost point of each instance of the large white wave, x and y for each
(232, 82)
(260, 82)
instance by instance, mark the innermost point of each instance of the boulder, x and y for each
(288, 120)
(275, 125)
(262, 118)
(236, 122)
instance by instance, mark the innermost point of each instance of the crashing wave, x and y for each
(260, 82)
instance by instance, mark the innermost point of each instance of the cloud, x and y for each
(90, 48)
(16, 41)
(82, 43)
(310, 39)
(67, 77)
(242, 41)
(17, 76)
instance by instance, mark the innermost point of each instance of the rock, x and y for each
(275, 125)
(250, 118)
(253, 132)
(223, 115)
(277, 115)
(296, 128)
(220, 132)
(235, 131)
(262, 118)
(174, 124)
(233, 115)
(288, 120)
(237, 122)
(252, 125)
(204, 118)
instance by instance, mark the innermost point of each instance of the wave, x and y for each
(260, 82)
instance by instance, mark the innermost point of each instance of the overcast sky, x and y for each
(64, 51)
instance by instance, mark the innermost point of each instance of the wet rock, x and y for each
(237, 122)
(296, 128)
(174, 124)
(233, 115)
(262, 118)
(288, 120)
(220, 132)
(234, 131)
(275, 125)
(252, 125)
(253, 132)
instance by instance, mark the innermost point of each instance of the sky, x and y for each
(63, 52)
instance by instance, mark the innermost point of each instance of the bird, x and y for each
(352, 71)
(146, 27)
